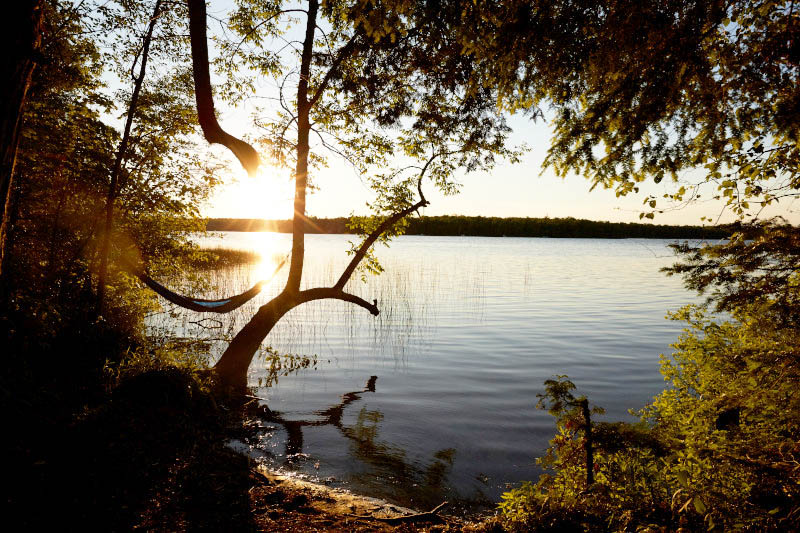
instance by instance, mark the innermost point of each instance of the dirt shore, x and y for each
(281, 503)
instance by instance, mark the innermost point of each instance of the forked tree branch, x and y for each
(202, 88)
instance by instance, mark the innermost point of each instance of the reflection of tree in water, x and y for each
(396, 476)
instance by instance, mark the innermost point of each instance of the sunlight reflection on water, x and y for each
(272, 250)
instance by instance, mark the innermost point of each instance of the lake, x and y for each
(434, 399)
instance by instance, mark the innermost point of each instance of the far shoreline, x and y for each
(476, 226)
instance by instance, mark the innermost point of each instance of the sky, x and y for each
(508, 190)
(519, 190)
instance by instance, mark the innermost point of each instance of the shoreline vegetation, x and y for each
(477, 226)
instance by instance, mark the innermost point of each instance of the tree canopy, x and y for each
(696, 92)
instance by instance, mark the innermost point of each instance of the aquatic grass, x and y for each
(220, 257)
(409, 294)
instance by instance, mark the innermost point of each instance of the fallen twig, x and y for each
(431, 515)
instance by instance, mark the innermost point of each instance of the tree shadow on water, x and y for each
(391, 474)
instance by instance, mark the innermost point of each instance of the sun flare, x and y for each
(273, 249)
(267, 195)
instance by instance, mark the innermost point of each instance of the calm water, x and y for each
(469, 329)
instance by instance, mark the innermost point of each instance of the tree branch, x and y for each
(301, 167)
(322, 293)
(202, 87)
(370, 240)
(344, 52)
(116, 171)
(260, 24)
(427, 516)
(385, 225)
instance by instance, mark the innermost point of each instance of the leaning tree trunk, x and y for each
(232, 367)
(19, 57)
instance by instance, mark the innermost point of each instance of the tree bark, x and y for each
(232, 367)
(22, 39)
(301, 170)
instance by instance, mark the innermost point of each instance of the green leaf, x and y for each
(699, 505)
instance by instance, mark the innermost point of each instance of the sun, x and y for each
(267, 195)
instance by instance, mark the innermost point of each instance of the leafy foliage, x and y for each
(386, 94)
(283, 364)
(700, 93)
(696, 92)
(760, 263)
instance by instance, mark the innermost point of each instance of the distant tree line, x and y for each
(490, 227)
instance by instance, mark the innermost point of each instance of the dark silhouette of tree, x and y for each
(22, 39)
(456, 225)
(374, 67)
(67, 148)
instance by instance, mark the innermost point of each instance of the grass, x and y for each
(216, 258)
(405, 293)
